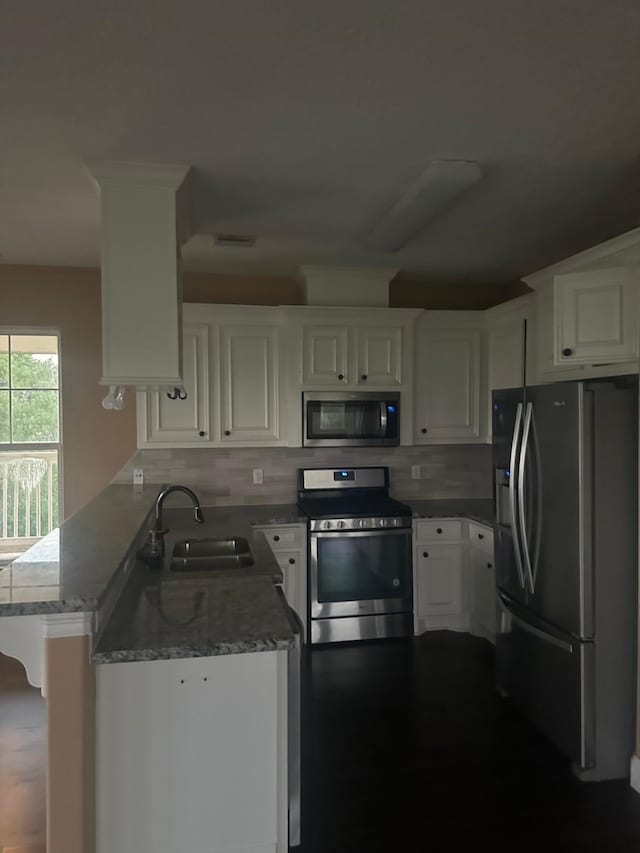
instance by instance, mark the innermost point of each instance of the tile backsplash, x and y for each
(224, 476)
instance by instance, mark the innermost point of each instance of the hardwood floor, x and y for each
(407, 747)
(22, 762)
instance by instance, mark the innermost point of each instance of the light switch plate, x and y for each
(415, 472)
(258, 477)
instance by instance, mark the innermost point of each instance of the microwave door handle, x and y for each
(383, 419)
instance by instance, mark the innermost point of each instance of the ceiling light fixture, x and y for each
(437, 188)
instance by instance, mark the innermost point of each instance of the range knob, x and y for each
(341, 524)
(363, 523)
(357, 522)
(397, 522)
(326, 525)
(382, 522)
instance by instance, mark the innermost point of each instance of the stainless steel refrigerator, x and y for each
(565, 459)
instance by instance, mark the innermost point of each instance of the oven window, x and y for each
(346, 419)
(362, 568)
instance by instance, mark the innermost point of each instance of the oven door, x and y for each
(360, 572)
(354, 420)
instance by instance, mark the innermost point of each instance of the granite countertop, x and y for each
(74, 567)
(160, 617)
(481, 510)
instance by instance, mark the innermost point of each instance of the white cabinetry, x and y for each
(596, 316)
(249, 409)
(164, 418)
(439, 576)
(289, 545)
(482, 582)
(348, 355)
(324, 355)
(447, 386)
(235, 393)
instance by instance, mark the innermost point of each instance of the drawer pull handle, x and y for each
(201, 433)
(276, 538)
(439, 530)
(423, 430)
(425, 553)
(291, 561)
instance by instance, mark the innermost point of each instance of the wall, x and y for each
(224, 476)
(96, 443)
(448, 296)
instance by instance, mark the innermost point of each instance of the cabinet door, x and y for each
(447, 403)
(181, 421)
(379, 356)
(324, 355)
(294, 572)
(249, 384)
(506, 355)
(595, 316)
(439, 579)
(482, 593)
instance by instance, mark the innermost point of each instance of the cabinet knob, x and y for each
(364, 377)
(423, 430)
(227, 432)
(202, 433)
(341, 376)
(276, 538)
(567, 351)
(291, 561)
(425, 553)
(489, 565)
(480, 535)
(439, 530)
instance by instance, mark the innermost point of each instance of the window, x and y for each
(29, 438)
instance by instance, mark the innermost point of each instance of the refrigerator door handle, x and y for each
(536, 632)
(538, 485)
(513, 495)
(526, 431)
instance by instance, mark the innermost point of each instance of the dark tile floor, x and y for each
(407, 747)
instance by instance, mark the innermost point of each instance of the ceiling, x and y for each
(305, 122)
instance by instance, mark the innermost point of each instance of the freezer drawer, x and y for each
(550, 676)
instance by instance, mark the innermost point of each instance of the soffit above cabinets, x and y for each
(144, 219)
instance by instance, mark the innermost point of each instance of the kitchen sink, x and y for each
(208, 555)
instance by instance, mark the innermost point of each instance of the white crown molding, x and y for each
(588, 256)
(169, 175)
(333, 273)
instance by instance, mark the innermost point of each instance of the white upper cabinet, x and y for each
(351, 355)
(165, 418)
(596, 316)
(379, 356)
(447, 386)
(507, 355)
(249, 384)
(325, 355)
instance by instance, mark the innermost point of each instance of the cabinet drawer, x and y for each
(481, 537)
(438, 530)
(292, 536)
(291, 561)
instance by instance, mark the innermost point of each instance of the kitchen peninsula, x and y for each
(184, 652)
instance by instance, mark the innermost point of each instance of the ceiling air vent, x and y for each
(235, 241)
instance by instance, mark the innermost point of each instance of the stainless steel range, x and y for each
(360, 576)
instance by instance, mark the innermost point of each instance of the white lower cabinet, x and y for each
(191, 754)
(439, 578)
(289, 545)
(454, 577)
(482, 582)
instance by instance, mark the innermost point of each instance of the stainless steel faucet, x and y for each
(153, 550)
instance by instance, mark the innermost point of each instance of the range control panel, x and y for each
(343, 524)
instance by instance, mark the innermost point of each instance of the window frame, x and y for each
(35, 446)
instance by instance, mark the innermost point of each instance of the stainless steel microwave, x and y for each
(350, 419)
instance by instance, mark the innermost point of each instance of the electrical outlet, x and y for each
(415, 472)
(258, 478)
(138, 476)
